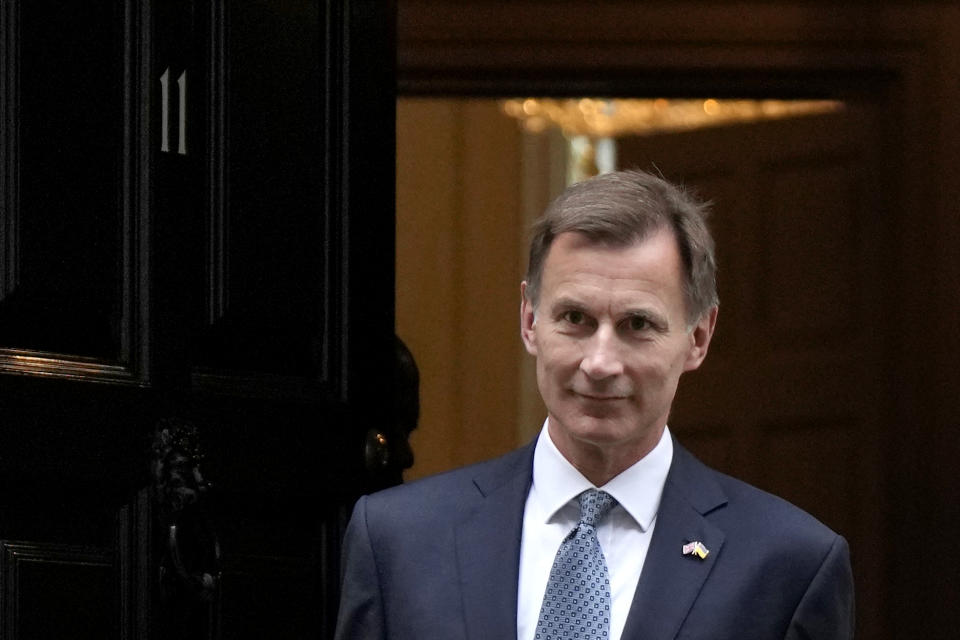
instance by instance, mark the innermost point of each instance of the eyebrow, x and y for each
(566, 302)
(656, 318)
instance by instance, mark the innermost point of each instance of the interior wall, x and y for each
(460, 231)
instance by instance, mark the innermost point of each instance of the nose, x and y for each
(601, 355)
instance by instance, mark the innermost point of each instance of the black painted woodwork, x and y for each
(241, 282)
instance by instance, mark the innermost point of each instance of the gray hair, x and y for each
(621, 208)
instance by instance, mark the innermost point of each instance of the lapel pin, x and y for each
(695, 548)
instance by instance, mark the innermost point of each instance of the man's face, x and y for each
(611, 340)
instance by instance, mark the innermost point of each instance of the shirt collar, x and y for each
(637, 489)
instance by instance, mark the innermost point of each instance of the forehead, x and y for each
(575, 262)
(656, 252)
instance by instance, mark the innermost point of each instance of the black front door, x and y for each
(196, 310)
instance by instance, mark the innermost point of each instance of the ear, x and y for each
(527, 320)
(700, 337)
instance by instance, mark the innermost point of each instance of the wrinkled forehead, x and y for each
(580, 267)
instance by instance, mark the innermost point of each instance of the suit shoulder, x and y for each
(451, 491)
(749, 510)
(772, 515)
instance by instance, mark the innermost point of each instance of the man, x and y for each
(604, 527)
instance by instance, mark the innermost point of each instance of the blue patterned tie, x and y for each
(577, 601)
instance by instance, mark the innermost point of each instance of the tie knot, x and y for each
(594, 505)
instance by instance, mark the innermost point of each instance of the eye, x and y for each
(638, 323)
(574, 317)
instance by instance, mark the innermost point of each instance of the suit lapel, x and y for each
(671, 581)
(488, 548)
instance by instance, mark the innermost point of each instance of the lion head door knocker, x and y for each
(191, 557)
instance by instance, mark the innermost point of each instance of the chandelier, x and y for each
(603, 118)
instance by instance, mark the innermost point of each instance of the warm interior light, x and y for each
(599, 118)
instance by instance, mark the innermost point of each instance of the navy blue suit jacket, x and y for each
(438, 560)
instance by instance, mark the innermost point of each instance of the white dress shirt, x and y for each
(552, 511)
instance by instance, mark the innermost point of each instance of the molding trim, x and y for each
(218, 212)
(257, 385)
(9, 147)
(135, 212)
(15, 556)
(135, 570)
(54, 365)
(132, 363)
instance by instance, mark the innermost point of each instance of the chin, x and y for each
(600, 431)
(605, 431)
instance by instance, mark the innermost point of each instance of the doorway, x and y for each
(788, 397)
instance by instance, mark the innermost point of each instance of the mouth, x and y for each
(600, 397)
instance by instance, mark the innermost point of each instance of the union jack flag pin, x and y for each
(695, 548)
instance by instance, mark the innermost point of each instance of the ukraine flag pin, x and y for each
(695, 548)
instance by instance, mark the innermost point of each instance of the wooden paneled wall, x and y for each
(459, 266)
